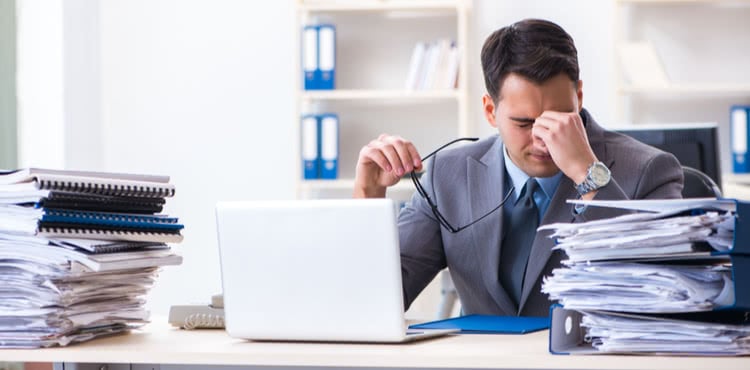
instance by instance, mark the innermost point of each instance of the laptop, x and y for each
(313, 270)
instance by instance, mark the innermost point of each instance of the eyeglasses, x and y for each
(439, 216)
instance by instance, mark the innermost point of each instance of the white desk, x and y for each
(158, 343)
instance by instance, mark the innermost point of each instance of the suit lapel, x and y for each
(486, 190)
(560, 211)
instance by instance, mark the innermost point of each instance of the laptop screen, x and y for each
(311, 269)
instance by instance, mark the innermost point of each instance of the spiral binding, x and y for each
(154, 191)
(121, 217)
(165, 236)
(106, 248)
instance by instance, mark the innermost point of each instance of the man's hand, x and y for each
(564, 137)
(381, 164)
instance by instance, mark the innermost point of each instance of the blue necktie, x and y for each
(520, 230)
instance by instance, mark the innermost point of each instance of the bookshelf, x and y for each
(701, 49)
(374, 44)
(698, 90)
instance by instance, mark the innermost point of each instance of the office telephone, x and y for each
(199, 316)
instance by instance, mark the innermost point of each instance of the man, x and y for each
(496, 257)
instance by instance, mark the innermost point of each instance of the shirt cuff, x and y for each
(579, 209)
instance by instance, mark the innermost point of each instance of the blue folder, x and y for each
(739, 121)
(489, 324)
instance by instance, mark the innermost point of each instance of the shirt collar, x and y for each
(518, 178)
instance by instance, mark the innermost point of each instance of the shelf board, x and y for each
(347, 184)
(411, 95)
(366, 5)
(690, 89)
(736, 178)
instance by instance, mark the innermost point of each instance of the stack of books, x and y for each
(669, 280)
(79, 251)
(434, 66)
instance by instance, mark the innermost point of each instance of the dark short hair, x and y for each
(536, 49)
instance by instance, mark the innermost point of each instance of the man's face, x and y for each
(520, 103)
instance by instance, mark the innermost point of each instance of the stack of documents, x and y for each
(649, 282)
(79, 251)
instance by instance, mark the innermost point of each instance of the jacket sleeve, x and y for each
(661, 178)
(422, 254)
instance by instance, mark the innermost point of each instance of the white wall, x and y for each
(199, 90)
(82, 85)
(40, 84)
(589, 22)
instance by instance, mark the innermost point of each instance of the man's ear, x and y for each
(579, 93)
(489, 110)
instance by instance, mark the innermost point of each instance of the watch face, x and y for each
(600, 174)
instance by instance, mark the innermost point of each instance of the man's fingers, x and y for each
(374, 154)
(388, 147)
(415, 157)
(393, 154)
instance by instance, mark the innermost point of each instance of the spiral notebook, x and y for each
(83, 201)
(107, 233)
(103, 183)
(110, 246)
(89, 225)
(88, 245)
(122, 220)
(98, 202)
(80, 261)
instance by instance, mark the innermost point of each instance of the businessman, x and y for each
(478, 205)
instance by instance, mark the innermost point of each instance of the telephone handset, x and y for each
(199, 316)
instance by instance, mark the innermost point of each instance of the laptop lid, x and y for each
(317, 270)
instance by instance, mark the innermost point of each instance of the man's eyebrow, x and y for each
(523, 119)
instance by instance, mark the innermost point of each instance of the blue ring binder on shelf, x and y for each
(319, 57)
(310, 57)
(739, 119)
(329, 145)
(326, 57)
(310, 147)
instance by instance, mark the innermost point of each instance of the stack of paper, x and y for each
(641, 287)
(79, 251)
(622, 333)
(635, 280)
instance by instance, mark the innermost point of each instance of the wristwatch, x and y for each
(598, 176)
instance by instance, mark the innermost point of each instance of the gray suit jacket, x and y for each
(466, 182)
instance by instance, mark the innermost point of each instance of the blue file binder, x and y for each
(326, 57)
(567, 336)
(740, 133)
(741, 244)
(309, 61)
(310, 148)
(489, 324)
(740, 265)
(329, 145)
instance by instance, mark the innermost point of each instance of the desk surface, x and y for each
(158, 343)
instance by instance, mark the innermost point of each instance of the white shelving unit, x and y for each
(702, 46)
(698, 90)
(374, 43)
(706, 89)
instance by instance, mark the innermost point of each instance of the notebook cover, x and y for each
(53, 217)
(102, 203)
(489, 324)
